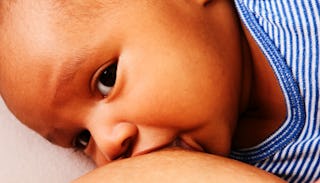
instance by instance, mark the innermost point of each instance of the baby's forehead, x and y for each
(84, 9)
(71, 8)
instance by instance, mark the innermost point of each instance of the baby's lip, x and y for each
(176, 143)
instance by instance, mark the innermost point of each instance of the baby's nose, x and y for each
(117, 142)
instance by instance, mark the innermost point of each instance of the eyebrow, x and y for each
(67, 73)
(81, 10)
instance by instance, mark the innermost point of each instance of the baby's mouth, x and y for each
(177, 143)
(183, 145)
(128, 144)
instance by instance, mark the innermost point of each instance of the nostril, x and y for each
(126, 142)
(126, 149)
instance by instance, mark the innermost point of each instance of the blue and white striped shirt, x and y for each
(288, 33)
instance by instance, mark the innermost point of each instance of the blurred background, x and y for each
(26, 157)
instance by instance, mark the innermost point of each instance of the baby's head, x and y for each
(124, 78)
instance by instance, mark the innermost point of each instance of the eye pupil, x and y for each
(82, 140)
(108, 76)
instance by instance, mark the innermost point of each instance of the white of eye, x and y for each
(104, 90)
(84, 143)
(107, 79)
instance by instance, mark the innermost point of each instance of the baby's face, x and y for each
(138, 75)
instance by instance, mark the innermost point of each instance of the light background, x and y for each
(26, 157)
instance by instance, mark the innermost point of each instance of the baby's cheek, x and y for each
(94, 153)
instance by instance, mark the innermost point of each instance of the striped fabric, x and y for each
(288, 33)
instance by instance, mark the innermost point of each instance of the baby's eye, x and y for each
(82, 140)
(107, 79)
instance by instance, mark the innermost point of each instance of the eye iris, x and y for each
(108, 76)
(82, 140)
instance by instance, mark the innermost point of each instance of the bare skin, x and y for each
(184, 76)
(187, 75)
(178, 166)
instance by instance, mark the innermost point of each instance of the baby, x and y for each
(120, 79)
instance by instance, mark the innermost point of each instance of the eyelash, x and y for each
(81, 141)
(107, 79)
